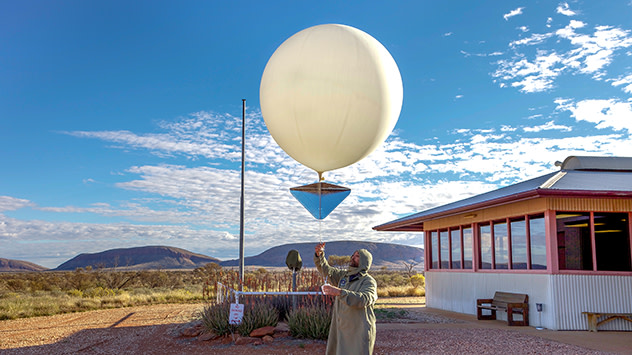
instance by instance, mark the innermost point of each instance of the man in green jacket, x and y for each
(352, 330)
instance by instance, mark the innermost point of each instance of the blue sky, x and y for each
(120, 121)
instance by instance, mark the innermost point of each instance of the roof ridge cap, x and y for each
(552, 180)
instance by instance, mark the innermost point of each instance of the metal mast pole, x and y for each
(241, 209)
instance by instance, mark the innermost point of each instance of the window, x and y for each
(501, 245)
(537, 238)
(612, 241)
(445, 249)
(518, 243)
(485, 233)
(586, 241)
(455, 237)
(451, 249)
(467, 247)
(434, 243)
(524, 236)
(573, 241)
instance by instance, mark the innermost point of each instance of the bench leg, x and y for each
(592, 322)
(481, 316)
(511, 321)
(510, 317)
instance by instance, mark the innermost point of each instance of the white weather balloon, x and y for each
(330, 95)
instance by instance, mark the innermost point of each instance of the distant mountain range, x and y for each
(164, 257)
(384, 254)
(9, 265)
(140, 258)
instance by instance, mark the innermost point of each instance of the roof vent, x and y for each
(596, 163)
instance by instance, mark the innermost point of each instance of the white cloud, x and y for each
(196, 206)
(625, 81)
(534, 39)
(589, 54)
(8, 203)
(612, 113)
(548, 127)
(565, 10)
(513, 13)
(593, 52)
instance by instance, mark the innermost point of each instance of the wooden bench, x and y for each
(511, 303)
(594, 322)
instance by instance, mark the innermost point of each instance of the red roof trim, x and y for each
(416, 224)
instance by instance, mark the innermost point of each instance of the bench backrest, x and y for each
(502, 298)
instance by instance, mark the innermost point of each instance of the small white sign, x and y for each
(236, 313)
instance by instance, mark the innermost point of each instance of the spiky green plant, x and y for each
(215, 319)
(258, 315)
(311, 322)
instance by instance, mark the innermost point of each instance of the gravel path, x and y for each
(158, 330)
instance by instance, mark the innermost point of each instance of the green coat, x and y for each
(352, 330)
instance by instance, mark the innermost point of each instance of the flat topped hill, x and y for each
(168, 258)
(139, 258)
(9, 265)
(384, 254)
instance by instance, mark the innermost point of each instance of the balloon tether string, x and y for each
(320, 220)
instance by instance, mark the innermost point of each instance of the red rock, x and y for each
(191, 332)
(281, 334)
(245, 340)
(208, 336)
(260, 332)
(282, 327)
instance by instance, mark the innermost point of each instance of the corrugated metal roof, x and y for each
(618, 181)
(593, 175)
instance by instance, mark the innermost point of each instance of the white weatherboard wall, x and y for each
(574, 294)
(564, 297)
(458, 292)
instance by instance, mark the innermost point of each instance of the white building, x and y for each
(563, 239)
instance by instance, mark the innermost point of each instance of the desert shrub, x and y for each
(341, 261)
(400, 291)
(311, 322)
(418, 280)
(390, 313)
(99, 292)
(75, 293)
(258, 315)
(283, 304)
(390, 278)
(215, 318)
(16, 284)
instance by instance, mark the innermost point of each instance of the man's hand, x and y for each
(330, 290)
(320, 247)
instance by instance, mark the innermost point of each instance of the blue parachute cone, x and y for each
(320, 198)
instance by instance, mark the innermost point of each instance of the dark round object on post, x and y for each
(293, 260)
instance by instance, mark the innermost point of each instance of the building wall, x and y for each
(564, 297)
(574, 294)
(458, 292)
